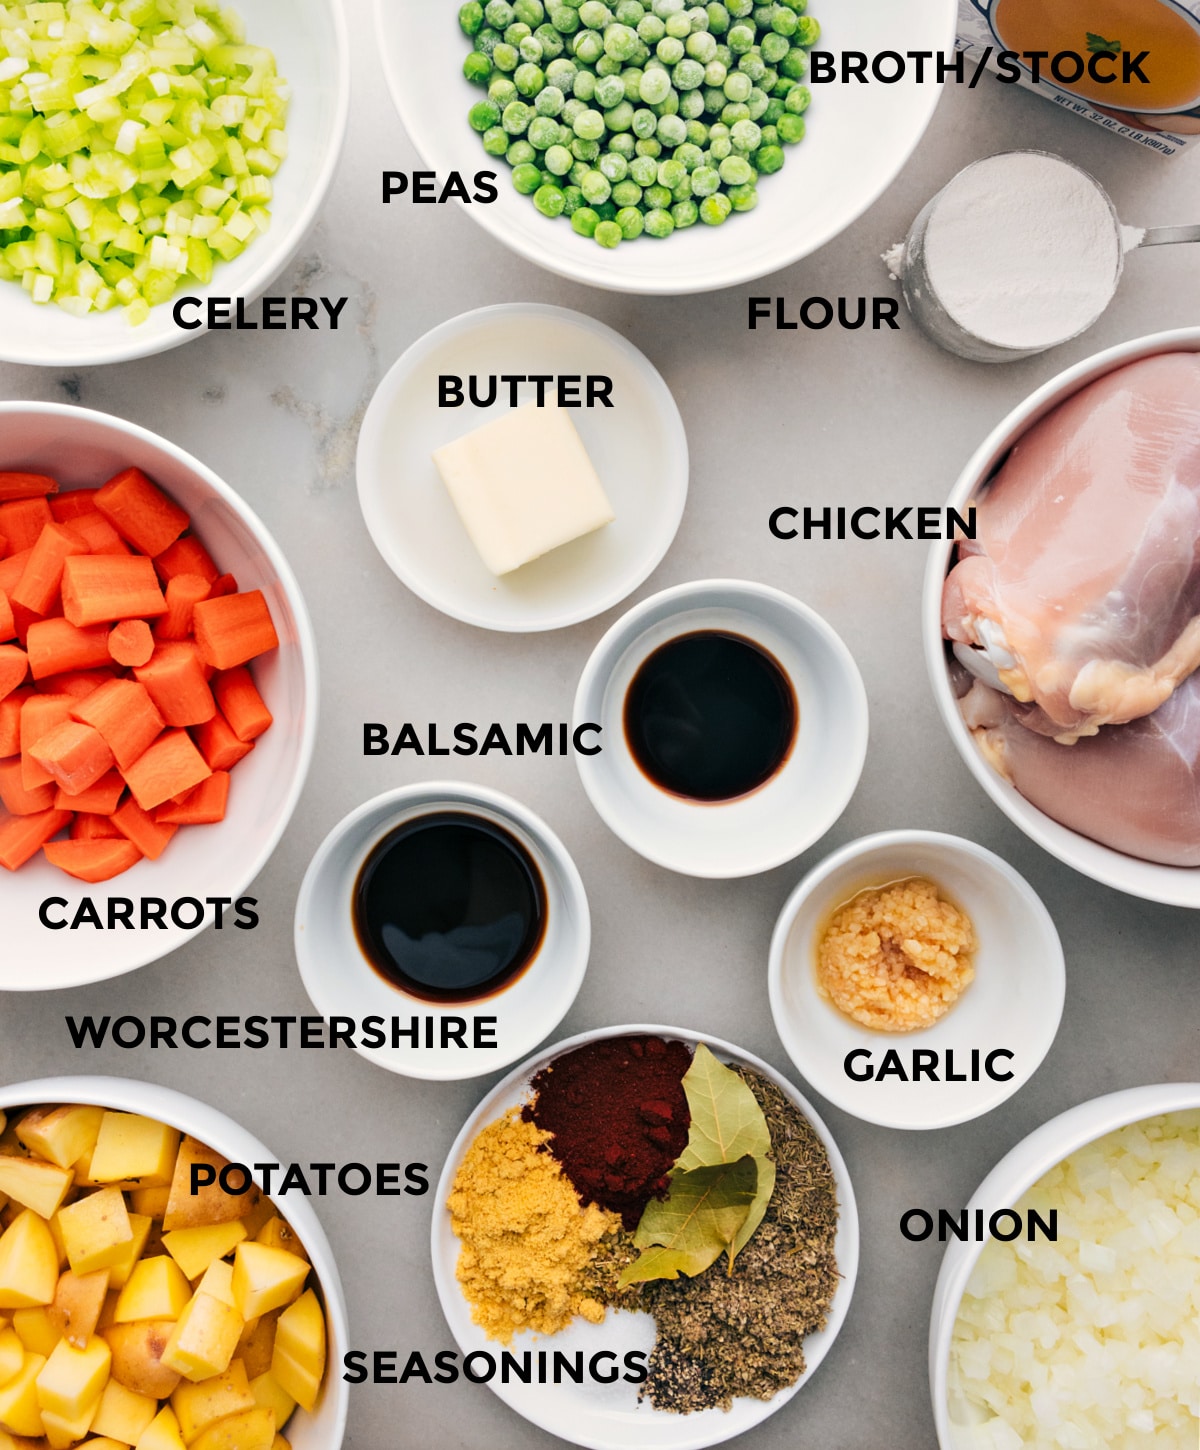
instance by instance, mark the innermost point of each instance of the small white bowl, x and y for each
(638, 447)
(791, 810)
(1173, 885)
(82, 448)
(324, 1427)
(1009, 1181)
(311, 46)
(341, 981)
(1015, 1002)
(609, 1416)
(859, 137)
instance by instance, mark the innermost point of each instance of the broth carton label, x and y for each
(1131, 66)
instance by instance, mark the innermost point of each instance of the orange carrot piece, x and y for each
(219, 745)
(175, 680)
(141, 512)
(56, 647)
(75, 755)
(186, 556)
(125, 715)
(101, 537)
(170, 767)
(183, 593)
(93, 860)
(22, 521)
(203, 806)
(8, 626)
(73, 503)
(10, 722)
(130, 642)
(41, 579)
(222, 585)
(17, 798)
(98, 799)
(102, 588)
(22, 837)
(151, 837)
(40, 715)
(12, 568)
(76, 683)
(233, 629)
(241, 704)
(26, 485)
(88, 826)
(14, 665)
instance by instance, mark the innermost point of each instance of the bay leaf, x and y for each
(766, 1187)
(727, 1121)
(698, 1222)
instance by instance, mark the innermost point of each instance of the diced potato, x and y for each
(193, 1249)
(134, 1149)
(137, 1351)
(28, 1263)
(12, 1354)
(34, 1184)
(257, 1343)
(142, 1229)
(100, 1442)
(123, 1415)
(271, 1395)
(62, 1431)
(277, 1233)
(19, 1408)
(197, 1406)
(61, 1135)
(250, 1430)
(218, 1281)
(96, 1231)
(210, 1203)
(203, 1341)
(281, 1443)
(266, 1279)
(150, 1201)
(36, 1330)
(73, 1379)
(163, 1433)
(78, 1304)
(157, 1289)
(298, 1359)
(262, 1213)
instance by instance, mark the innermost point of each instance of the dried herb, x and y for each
(698, 1222)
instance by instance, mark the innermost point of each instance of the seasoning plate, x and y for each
(638, 448)
(608, 1417)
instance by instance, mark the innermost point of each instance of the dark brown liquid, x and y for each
(449, 907)
(710, 716)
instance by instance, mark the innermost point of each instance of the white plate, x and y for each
(638, 447)
(608, 1417)
(859, 137)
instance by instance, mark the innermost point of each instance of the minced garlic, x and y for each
(897, 958)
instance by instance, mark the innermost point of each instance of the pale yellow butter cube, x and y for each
(523, 484)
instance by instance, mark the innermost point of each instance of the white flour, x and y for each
(1022, 250)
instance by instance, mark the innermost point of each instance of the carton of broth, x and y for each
(1131, 66)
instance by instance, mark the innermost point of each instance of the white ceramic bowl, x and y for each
(1174, 885)
(798, 804)
(859, 137)
(608, 1417)
(81, 448)
(311, 49)
(638, 447)
(341, 982)
(1014, 1176)
(325, 1427)
(1014, 1004)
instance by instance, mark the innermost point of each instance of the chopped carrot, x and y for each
(203, 806)
(40, 715)
(75, 755)
(56, 646)
(222, 585)
(102, 538)
(76, 683)
(171, 766)
(102, 588)
(125, 715)
(22, 837)
(141, 512)
(218, 744)
(89, 826)
(41, 579)
(175, 680)
(8, 627)
(22, 521)
(11, 569)
(241, 704)
(75, 501)
(14, 665)
(22, 620)
(26, 485)
(10, 722)
(151, 837)
(234, 629)
(99, 799)
(93, 860)
(183, 593)
(130, 642)
(186, 556)
(16, 798)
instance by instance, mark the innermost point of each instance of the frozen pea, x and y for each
(643, 170)
(746, 137)
(797, 100)
(606, 210)
(549, 101)
(769, 158)
(714, 209)
(609, 91)
(561, 73)
(594, 14)
(559, 160)
(585, 85)
(669, 50)
(658, 223)
(595, 187)
(585, 221)
(669, 107)
(757, 104)
(808, 31)
(715, 73)
(656, 197)
(697, 18)
(526, 178)
(791, 128)
(606, 66)
(701, 47)
(564, 19)
(574, 107)
(724, 55)
(685, 213)
(620, 42)
(718, 18)
(620, 118)
(772, 114)
(516, 33)
(629, 12)
(738, 86)
(671, 130)
(664, 8)
(470, 18)
(743, 198)
(516, 117)
(762, 12)
(683, 191)
(483, 115)
(627, 193)
(608, 234)
(530, 12)
(768, 80)
(519, 153)
(506, 57)
(770, 137)
(714, 99)
(585, 150)
(623, 144)
(615, 167)
(705, 181)
(739, 8)
(740, 39)
(579, 169)
(550, 41)
(529, 79)
(688, 75)
(501, 90)
(735, 171)
(645, 123)
(720, 147)
(477, 68)
(679, 27)
(543, 133)
(495, 141)
(487, 41)
(649, 147)
(752, 65)
(690, 155)
(651, 30)
(588, 47)
(631, 84)
(655, 87)
(589, 126)
(549, 200)
(697, 133)
(572, 200)
(671, 173)
(794, 65)
(631, 222)
(734, 112)
(775, 46)
(531, 49)
(499, 14)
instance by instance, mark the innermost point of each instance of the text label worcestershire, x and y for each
(256, 1032)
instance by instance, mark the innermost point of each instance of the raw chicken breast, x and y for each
(1081, 593)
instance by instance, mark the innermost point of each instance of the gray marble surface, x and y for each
(772, 417)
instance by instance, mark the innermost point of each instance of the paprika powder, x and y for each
(618, 1116)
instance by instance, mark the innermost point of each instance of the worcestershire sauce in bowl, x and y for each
(710, 716)
(449, 907)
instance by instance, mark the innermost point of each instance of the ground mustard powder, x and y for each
(897, 958)
(526, 1239)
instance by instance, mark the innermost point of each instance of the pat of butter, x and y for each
(523, 484)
